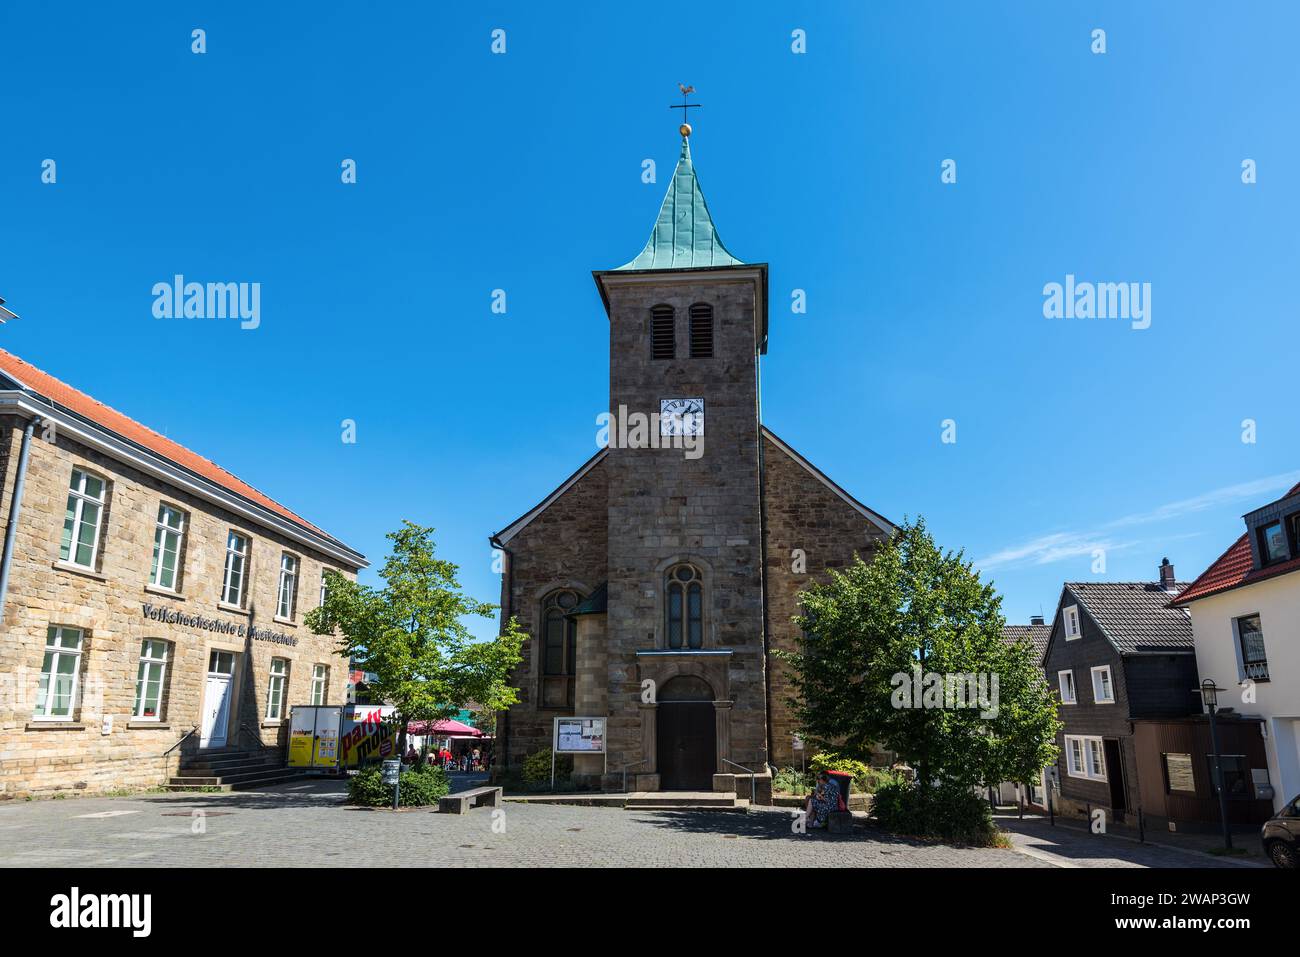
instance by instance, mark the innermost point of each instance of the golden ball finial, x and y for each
(685, 129)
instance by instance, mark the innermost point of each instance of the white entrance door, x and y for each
(216, 700)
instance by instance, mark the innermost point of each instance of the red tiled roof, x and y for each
(63, 394)
(1234, 568)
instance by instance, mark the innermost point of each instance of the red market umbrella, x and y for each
(443, 728)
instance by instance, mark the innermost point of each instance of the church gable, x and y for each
(559, 546)
(874, 518)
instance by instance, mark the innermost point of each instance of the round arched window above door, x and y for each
(684, 607)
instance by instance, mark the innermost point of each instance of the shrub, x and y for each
(422, 785)
(791, 781)
(537, 767)
(866, 779)
(944, 812)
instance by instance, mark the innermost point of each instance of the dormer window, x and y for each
(1272, 543)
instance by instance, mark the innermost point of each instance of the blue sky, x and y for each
(522, 172)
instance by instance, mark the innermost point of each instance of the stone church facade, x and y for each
(658, 579)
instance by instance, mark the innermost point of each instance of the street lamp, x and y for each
(1210, 698)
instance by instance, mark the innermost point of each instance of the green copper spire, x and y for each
(683, 236)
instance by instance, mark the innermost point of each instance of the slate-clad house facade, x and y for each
(1116, 654)
(658, 583)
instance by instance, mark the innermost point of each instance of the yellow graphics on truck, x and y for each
(301, 739)
(314, 736)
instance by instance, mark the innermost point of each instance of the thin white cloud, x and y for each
(1052, 548)
(1221, 496)
(1059, 546)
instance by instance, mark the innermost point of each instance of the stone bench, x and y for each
(462, 801)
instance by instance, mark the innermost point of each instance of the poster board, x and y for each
(579, 736)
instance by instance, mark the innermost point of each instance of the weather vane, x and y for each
(685, 128)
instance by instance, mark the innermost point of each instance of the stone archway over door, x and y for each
(686, 735)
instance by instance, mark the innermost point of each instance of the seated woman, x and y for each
(824, 799)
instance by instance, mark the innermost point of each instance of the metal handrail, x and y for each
(624, 768)
(753, 789)
(180, 742)
(245, 727)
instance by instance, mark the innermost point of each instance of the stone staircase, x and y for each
(230, 769)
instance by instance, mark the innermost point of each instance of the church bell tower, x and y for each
(685, 632)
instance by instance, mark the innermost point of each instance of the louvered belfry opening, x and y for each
(663, 333)
(701, 331)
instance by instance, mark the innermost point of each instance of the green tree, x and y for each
(411, 634)
(880, 629)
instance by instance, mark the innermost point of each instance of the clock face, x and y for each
(681, 416)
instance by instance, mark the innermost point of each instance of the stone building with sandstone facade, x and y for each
(659, 579)
(150, 599)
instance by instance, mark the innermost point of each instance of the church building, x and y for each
(658, 579)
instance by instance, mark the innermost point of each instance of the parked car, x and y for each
(1281, 835)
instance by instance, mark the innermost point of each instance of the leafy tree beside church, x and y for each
(411, 634)
(907, 650)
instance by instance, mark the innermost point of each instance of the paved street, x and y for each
(308, 825)
(1073, 846)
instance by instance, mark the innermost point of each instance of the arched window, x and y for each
(559, 648)
(684, 607)
(663, 333)
(701, 331)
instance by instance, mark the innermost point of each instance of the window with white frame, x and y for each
(1085, 757)
(150, 679)
(1070, 618)
(324, 586)
(320, 684)
(56, 696)
(288, 591)
(167, 536)
(1074, 757)
(1103, 692)
(1066, 684)
(275, 688)
(236, 569)
(80, 543)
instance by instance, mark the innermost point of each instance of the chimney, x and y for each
(1167, 575)
(1036, 619)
